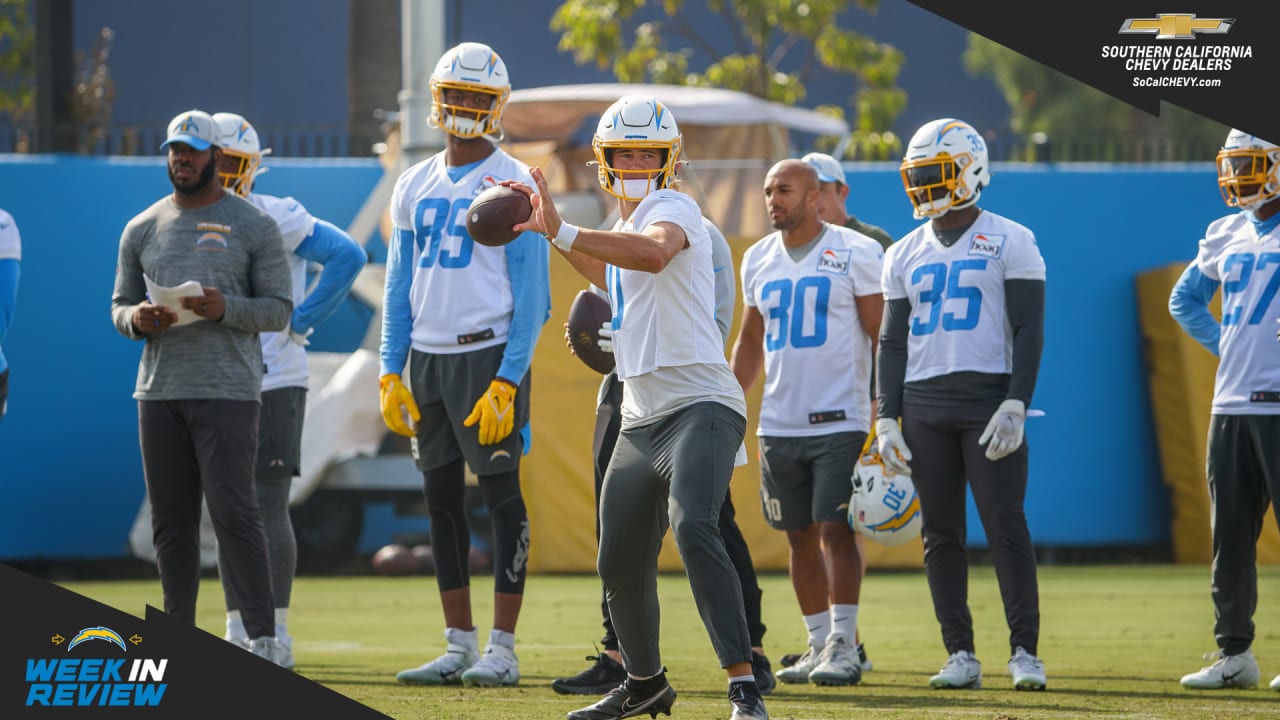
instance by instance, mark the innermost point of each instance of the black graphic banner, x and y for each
(1212, 57)
(67, 657)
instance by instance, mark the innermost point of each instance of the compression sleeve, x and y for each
(342, 259)
(891, 357)
(528, 263)
(9, 272)
(1189, 305)
(397, 313)
(1024, 305)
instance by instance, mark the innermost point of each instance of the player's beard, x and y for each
(206, 176)
(787, 221)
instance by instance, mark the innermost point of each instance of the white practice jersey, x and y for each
(817, 356)
(958, 317)
(461, 289)
(285, 359)
(10, 240)
(1248, 266)
(667, 347)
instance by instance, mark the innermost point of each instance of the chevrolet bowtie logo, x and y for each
(1176, 26)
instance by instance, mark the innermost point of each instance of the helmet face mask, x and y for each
(638, 123)
(1247, 171)
(945, 168)
(469, 68)
(241, 153)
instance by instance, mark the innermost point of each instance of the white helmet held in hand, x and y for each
(1247, 170)
(469, 67)
(945, 167)
(884, 505)
(240, 141)
(636, 122)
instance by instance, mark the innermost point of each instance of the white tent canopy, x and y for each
(730, 141)
(555, 112)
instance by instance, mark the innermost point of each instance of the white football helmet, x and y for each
(1247, 170)
(884, 505)
(471, 67)
(642, 123)
(945, 167)
(240, 141)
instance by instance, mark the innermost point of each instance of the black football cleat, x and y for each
(746, 701)
(632, 698)
(604, 675)
(763, 672)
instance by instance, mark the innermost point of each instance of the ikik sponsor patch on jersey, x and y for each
(834, 261)
(486, 182)
(986, 245)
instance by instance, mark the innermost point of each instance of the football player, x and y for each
(467, 318)
(833, 196)
(10, 257)
(1241, 253)
(683, 413)
(813, 306)
(606, 672)
(284, 384)
(959, 353)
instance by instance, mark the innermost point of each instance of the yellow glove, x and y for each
(396, 401)
(495, 412)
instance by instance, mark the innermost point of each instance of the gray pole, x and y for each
(422, 43)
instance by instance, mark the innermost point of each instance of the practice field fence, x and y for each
(334, 140)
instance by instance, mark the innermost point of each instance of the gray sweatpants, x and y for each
(674, 472)
(1244, 479)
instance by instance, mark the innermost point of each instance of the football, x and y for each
(395, 560)
(587, 313)
(493, 212)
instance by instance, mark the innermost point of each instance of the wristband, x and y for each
(565, 236)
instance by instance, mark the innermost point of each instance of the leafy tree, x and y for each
(17, 63)
(770, 49)
(1082, 123)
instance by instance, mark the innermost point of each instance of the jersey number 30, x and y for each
(801, 321)
(430, 225)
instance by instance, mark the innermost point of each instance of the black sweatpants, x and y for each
(947, 458)
(608, 425)
(190, 446)
(1243, 469)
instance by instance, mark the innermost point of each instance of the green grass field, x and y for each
(1114, 641)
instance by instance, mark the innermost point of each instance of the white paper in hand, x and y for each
(171, 298)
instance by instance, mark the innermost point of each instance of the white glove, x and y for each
(893, 449)
(301, 338)
(606, 336)
(1004, 429)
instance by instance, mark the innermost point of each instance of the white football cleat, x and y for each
(837, 664)
(448, 668)
(1229, 671)
(1027, 671)
(498, 667)
(962, 670)
(799, 671)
